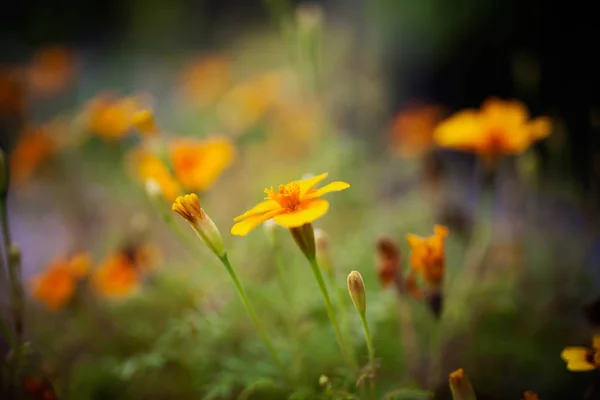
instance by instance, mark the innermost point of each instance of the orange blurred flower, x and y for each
(530, 396)
(498, 128)
(428, 256)
(117, 276)
(581, 358)
(291, 205)
(56, 285)
(245, 104)
(32, 149)
(205, 80)
(412, 129)
(150, 167)
(51, 70)
(12, 90)
(388, 261)
(111, 117)
(197, 164)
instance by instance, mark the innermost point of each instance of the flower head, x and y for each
(51, 70)
(581, 358)
(32, 149)
(388, 261)
(428, 255)
(498, 128)
(188, 207)
(356, 288)
(412, 129)
(143, 121)
(205, 79)
(111, 117)
(153, 172)
(117, 276)
(56, 285)
(530, 396)
(460, 385)
(198, 164)
(291, 205)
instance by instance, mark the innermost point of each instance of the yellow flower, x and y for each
(111, 117)
(117, 276)
(198, 164)
(581, 358)
(412, 129)
(149, 167)
(428, 256)
(143, 120)
(291, 205)
(56, 285)
(32, 149)
(205, 79)
(499, 128)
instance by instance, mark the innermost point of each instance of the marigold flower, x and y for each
(412, 129)
(111, 117)
(188, 207)
(116, 276)
(198, 164)
(428, 256)
(205, 79)
(388, 261)
(460, 385)
(143, 121)
(32, 149)
(51, 70)
(530, 396)
(581, 358)
(12, 90)
(499, 128)
(154, 173)
(56, 285)
(291, 205)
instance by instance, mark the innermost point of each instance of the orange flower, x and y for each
(150, 167)
(117, 276)
(111, 117)
(412, 129)
(292, 205)
(427, 255)
(56, 285)
(581, 358)
(530, 396)
(12, 90)
(499, 128)
(388, 261)
(51, 70)
(32, 149)
(247, 103)
(198, 164)
(204, 80)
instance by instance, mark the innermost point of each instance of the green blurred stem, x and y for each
(371, 349)
(261, 330)
(340, 338)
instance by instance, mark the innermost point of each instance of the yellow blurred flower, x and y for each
(412, 129)
(56, 285)
(498, 128)
(148, 166)
(205, 80)
(428, 256)
(51, 70)
(291, 205)
(245, 104)
(32, 149)
(111, 117)
(117, 276)
(197, 164)
(581, 358)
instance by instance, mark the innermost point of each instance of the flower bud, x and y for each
(270, 228)
(188, 207)
(460, 386)
(323, 380)
(356, 287)
(305, 239)
(323, 245)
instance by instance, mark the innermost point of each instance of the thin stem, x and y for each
(340, 338)
(371, 349)
(261, 330)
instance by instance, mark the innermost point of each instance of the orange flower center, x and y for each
(495, 143)
(288, 196)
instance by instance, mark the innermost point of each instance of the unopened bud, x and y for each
(323, 380)
(530, 396)
(270, 228)
(153, 189)
(356, 287)
(323, 245)
(188, 207)
(388, 261)
(143, 120)
(460, 386)
(304, 236)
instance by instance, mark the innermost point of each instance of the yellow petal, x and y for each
(440, 230)
(414, 240)
(243, 227)
(307, 212)
(260, 208)
(577, 366)
(596, 342)
(461, 131)
(307, 184)
(574, 354)
(540, 127)
(332, 187)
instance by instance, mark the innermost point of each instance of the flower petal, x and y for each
(414, 240)
(461, 131)
(440, 231)
(260, 208)
(577, 366)
(243, 227)
(332, 187)
(540, 127)
(307, 212)
(307, 184)
(574, 353)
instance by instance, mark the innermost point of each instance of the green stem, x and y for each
(281, 272)
(242, 293)
(371, 349)
(340, 338)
